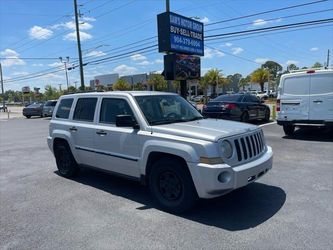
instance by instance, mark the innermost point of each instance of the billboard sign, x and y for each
(180, 34)
(181, 67)
(25, 89)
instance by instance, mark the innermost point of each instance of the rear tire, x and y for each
(66, 163)
(289, 129)
(267, 115)
(245, 117)
(28, 116)
(171, 186)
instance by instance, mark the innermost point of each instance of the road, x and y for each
(289, 208)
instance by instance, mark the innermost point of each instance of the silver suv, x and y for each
(160, 140)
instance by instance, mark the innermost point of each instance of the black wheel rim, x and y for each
(169, 186)
(64, 161)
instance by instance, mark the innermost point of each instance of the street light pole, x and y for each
(2, 91)
(65, 63)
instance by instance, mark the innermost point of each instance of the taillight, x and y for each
(230, 106)
(278, 105)
(310, 71)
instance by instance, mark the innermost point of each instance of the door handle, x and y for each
(317, 101)
(73, 129)
(101, 132)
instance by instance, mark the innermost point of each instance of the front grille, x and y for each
(249, 146)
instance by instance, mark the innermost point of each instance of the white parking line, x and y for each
(266, 124)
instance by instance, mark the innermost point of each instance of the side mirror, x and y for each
(126, 121)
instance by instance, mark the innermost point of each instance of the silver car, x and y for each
(49, 107)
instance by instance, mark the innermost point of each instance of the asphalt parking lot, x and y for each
(289, 208)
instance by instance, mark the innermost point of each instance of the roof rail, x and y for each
(302, 70)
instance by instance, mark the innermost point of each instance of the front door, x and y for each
(321, 96)
(117, 149)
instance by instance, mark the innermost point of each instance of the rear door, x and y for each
(252, 105)
(321, 96)
(295, 97)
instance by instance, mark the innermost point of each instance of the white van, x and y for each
(305, 99)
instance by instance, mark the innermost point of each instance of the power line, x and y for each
(266, 12)
(31, 58)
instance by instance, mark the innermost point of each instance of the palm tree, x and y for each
(203, 83)
(213, 77)
(260, 76)
(244, 82)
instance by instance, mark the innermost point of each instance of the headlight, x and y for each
(226, 149)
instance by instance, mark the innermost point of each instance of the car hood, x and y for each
(205, 129)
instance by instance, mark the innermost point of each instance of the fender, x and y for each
(66, 135)
(179, 149)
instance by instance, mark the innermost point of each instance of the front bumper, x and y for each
(206, 177)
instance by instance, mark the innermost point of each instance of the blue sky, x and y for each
(45, 29)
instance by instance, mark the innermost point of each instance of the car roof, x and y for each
(120, 93)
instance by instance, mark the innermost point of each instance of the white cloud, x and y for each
(314, 49)
(71, 25)
(37, 65)
(125, 70)
(55, 64)
(237, 50)
(292, 62)
(88, 19)
(138, 57)
(158, 61)
(37, 32)
(259, 22)
(204, 20)
(72, 36)
(96, 53)
(13, 58)
(210, 53)
(226, 45)
(144, 63)
(261, 60)
(20, 73)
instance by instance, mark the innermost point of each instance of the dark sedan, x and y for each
(35, 109)
(49, 107)
(239, 107)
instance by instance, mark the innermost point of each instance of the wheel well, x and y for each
(59, 141)
(155, 156)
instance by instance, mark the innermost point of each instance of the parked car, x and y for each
(240, 107)
(199, 98)
(49, 107)
(262, 95)
(35, 109)
(305, 99)
(159, 139)
(3, 108)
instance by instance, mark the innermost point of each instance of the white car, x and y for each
(305, 99)
(159, 139)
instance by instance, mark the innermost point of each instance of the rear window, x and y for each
(35, 105)
(228, 98)
(51, 103)
(297, 85)
(321, 84)
(85, 109)
(64, 108)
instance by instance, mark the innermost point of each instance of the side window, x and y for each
(111, 107)
(254, 99)
(85, 109)
(246, 98)
(64, 108)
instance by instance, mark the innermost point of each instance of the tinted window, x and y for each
(64, 108)
(228, 98)
(111, 107)
(85, 109)
(321, 84)
(297, 85)
(50, 103)
(250, 98)
(35, 105)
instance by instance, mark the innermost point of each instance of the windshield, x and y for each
(165, 109)
(50, 103)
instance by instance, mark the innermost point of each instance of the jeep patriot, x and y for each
(159, 139)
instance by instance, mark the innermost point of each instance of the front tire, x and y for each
(267, 115)
(66, 163)
(28, 116)
(289, 129)
(171, 186)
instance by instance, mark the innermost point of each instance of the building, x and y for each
(134, 79)
(105, 80)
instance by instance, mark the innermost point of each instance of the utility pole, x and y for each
(167, 9)
(79, 44)
(328, 59)
(60, 86)
(65, 63)
(2, 92)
